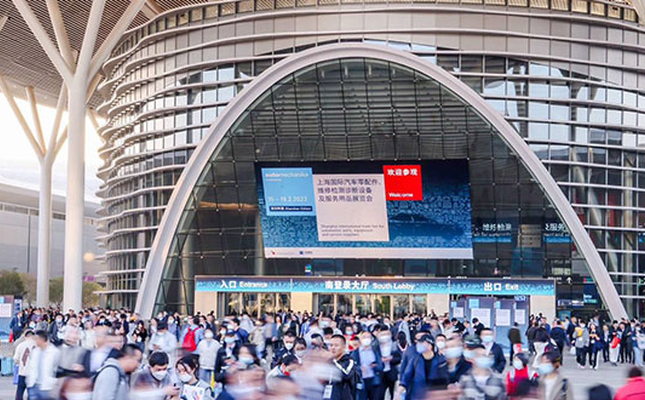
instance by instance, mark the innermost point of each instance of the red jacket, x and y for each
(512, 384)
(633, 390)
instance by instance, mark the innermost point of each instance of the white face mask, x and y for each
(288, 346)
(208, 335)
(385, 338)
(366, 342)
(185, 378)
(79, 396)
(160, 375)
(518, 364)
(441, 344)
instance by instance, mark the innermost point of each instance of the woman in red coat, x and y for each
(517, 379)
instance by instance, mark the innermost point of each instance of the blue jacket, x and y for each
(408, 356)
(377, 366)
(414, 378)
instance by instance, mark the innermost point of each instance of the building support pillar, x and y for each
(44, 234)
(80, 79)
(75, 200)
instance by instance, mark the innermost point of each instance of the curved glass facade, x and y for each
(570, 82)
(350, 110)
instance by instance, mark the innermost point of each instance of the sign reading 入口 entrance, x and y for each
(365, 210)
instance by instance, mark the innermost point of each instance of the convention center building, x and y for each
(378, 156)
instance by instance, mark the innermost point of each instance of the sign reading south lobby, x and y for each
(366, 210)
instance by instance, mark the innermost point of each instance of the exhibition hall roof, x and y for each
(24, 63)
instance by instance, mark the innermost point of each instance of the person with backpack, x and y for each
(191, 335)
(112, 379)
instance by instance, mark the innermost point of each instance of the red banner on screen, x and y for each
(403, 182)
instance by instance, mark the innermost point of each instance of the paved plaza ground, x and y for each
(581, 379)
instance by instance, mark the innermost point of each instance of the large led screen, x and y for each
(361, 209)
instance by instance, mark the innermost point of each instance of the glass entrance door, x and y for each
(250, 304)
(267, 303)
(383, 304)
(363, 304)
(401, 305)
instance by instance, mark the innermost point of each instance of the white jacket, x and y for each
(22, 354)
(45, 362)
(166, 342)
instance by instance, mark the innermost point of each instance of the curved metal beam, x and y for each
(191, 173)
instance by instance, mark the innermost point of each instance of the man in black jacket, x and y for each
(226, 355)
(494, 349)
(515, 337)
(349, 380)
(288, 343)
(559, 335)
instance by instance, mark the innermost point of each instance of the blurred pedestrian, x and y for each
(634, 388)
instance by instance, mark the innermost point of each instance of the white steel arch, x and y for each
(172, 216)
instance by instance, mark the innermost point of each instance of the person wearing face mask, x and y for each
(112, 379)
(287, 349)
(581, 342)
(428, 371)
(173, 326)
(287, 365)
(350, 336)
(440, 343)
(75, 388)
(552, 386)
(300, 349)
(56, 330)
(371, 367)
(207, 350)
(482, 383)
(517, 379)
(247, 358)
(457, 364)
(154, 381)
(410, 353)
(162, 340)
(227, 355)
(190, 386)
(391, 357)
(493, 349)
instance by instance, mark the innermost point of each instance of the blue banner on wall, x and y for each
(364, 209)
(503, 287)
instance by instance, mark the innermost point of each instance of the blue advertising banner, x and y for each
(365, 209)
(288, 192)
(332, 284)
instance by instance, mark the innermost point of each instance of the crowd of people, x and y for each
(113, 354)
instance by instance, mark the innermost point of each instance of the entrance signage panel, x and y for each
(337, 284)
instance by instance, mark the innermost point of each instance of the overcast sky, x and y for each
(18, 163)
